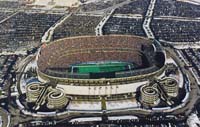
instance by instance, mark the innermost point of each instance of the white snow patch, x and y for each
(197, 2)
(84, 105)
(193, 121)
(123, 104)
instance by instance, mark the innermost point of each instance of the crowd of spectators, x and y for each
(129, 26)
(176, 31)
(97, 55)
(135, 7)
(77, 25)
(176, 8)
(25, 29)
(93, 49)
(100, 5)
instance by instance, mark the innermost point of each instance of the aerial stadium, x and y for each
(105, 58)
(90, 67)
(66, 62)
(102, 75)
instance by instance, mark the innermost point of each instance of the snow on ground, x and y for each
(84, 105)
(95, 1)
(186, 46)
(191, 1)
(122, 117)
(67, 3)
(86, 119)
(180, 79)
(121, 104)
(193, 121)
(196, 0)
(170, 60)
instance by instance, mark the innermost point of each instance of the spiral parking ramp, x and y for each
(56, 99)
(170, 86)
(149, 96)
(32, 92)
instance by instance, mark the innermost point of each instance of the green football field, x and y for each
(101, 67)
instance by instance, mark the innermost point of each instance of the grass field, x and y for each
(101, 67)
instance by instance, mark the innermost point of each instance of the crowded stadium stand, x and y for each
(25, 29)
(129, 26)
(176, 31)
(78, 51)
(135, 7)
(81, 57)
(176, 8)
(77, 25)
